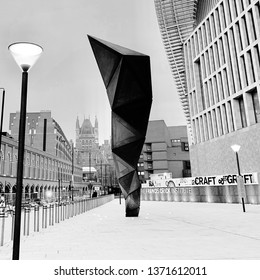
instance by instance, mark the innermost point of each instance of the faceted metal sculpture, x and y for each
(127, 78)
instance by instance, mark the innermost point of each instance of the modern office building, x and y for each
(165, 150)
(213, 51)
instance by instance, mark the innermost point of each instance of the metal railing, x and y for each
(36, 218)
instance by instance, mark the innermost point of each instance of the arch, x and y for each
(41, 192)
(7, 188)
(27, 191)
(14, 189)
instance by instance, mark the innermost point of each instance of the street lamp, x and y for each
(236, 149)
(2, 115)
(1, 124)
(72, 170)
(25, 54)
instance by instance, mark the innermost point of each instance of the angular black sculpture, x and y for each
(127, 78)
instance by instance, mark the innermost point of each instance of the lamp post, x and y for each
(236, 149)
(1, 124)
(25, 54)
(72, 170)
(58, 185)
(2, 115)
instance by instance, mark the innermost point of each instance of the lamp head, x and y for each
(235, 148)
(25, 54)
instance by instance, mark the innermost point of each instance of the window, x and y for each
(176, 142)
(185, 146)
(256, 107)
(199, 87)
(244, 24)
(232, 127)
(150, 166)
(252, 25)
(149, 156)
(186, 164)
(251, 72)
(148, 147)
(242, 111)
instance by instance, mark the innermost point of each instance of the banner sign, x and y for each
(218, 180)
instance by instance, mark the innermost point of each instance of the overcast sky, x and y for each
(66, 79)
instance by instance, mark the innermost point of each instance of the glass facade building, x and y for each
(220, 66)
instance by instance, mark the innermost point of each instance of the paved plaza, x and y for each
(163, 231)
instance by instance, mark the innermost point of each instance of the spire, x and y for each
(96, 122)
(77, 123)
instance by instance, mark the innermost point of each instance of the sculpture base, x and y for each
(132, 204)
(132, 212)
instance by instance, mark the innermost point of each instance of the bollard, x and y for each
(44, 216)
(43, 209)
(2, 219)
(57, 213)
(71, 209)
(36, 218)
(12, 231)
(61, 212)
(49, 215)
(66, 210)
(27, 211)
(52, 214)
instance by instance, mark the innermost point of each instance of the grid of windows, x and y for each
(222, 58)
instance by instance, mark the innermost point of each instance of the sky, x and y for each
(66, 79)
